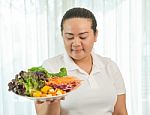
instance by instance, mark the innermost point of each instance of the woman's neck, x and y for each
(85, 63)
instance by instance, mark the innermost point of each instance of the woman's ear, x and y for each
(96, 34)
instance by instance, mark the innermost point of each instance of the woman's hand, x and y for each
(49, 107)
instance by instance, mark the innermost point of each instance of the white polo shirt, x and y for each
(98, 93)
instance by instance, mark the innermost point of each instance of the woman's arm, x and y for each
(48, 108)
(120, 106)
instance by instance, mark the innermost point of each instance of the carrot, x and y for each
(62, 80)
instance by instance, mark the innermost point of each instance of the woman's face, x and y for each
(78, 37)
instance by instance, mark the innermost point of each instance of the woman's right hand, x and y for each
(49, 107)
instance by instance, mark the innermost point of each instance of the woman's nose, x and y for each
(76, 41)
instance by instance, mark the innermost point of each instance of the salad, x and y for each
(38, 82)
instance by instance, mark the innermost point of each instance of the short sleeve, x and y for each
(117, 78)
(53, 64)
(46, 65)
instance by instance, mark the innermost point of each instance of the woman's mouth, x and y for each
(77, 50)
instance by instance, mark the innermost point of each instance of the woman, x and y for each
(103, 90)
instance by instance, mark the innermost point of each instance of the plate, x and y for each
(44, 98)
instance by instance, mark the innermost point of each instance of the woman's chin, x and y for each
(77, 56)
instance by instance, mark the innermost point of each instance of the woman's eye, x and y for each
(70, 38)
(83, 37)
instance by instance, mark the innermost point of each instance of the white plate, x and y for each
(44, 98)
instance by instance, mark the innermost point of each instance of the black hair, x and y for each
(80, 13)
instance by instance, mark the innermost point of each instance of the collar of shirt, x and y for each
(97, 64)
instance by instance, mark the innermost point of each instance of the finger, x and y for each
(63, 98)
(54, 100)
(48, 101)
(38, 102)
